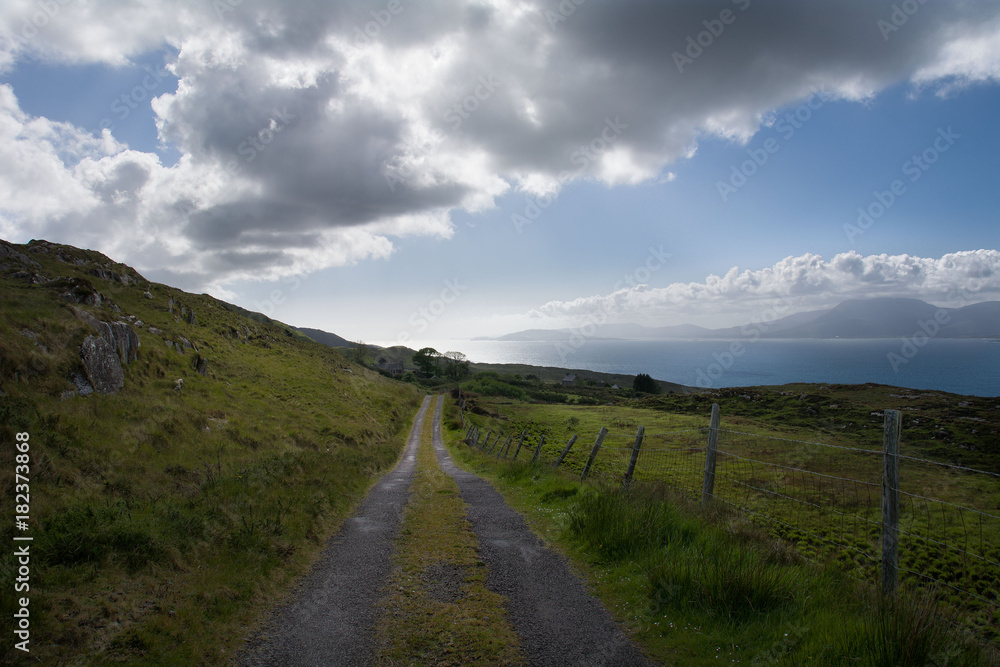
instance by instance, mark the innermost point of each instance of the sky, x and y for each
(396, 171)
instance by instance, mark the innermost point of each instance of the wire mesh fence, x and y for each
(828, 500)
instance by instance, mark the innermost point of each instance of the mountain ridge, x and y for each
(881, 317)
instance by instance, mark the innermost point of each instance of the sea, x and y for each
(960, 366)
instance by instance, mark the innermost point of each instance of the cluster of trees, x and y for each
(452, 365)
(646, 384)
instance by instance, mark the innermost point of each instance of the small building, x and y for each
(614, 386)
(395, 369)
(568, 380)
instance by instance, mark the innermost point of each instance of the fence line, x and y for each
(867, 523)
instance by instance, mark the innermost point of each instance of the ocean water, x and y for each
(961, 366)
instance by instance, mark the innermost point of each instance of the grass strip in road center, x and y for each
(438, 610)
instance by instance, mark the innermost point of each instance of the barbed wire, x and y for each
(806, 502)
(689, 430)
(803, 470)
(950, 546)
(945, 502)
(941, 581)
(804, 442)
(768, 517)
(699, 448)
(949, 465)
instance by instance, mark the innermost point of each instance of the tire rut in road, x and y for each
(557, 620)
(331, 617)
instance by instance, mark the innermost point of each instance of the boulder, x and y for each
(123, 338)
(102, 364)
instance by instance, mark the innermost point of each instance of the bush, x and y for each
(646, 384)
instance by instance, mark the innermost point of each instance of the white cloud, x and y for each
(340, 146)
(800, 283)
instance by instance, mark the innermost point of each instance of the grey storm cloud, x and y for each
(299, 120)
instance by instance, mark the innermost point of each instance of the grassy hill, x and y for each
(169, 515)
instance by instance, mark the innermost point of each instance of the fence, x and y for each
(881, 515)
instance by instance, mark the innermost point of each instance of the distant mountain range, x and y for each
(856, 318)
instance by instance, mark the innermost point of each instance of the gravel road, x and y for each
(331, 617)
(558, 621)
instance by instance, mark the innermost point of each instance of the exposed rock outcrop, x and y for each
(102, 365)
(105, 357)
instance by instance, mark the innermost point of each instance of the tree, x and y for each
(458, 365)
(360, 353)
(426, 358)
(646, 384)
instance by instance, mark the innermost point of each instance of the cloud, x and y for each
(806, 282)
(314, 134)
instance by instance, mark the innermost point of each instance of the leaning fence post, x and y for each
(635, 457)
(890, 503)
(519, 443)
(565, 451)
(504, 446)
(538, 449)
(708, 486)
(486, 440)
(593, 452)
(493, 446)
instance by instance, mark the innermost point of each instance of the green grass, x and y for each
(770, 466)
(438, 610)
(168, 523)
(696, 586)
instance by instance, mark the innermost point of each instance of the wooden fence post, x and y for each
(486, 440)
(493, 446)
(519, 443)
(593, 452)
(504, 446)
(565, 451)
(890, 503)
(708, 486)
(635, 457)
(538, 449)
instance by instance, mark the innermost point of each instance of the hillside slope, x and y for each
(167, 514)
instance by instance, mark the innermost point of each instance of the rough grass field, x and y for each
(697, 587)
(166, 521)
(825, 501)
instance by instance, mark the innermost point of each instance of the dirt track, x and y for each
(332, 616)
